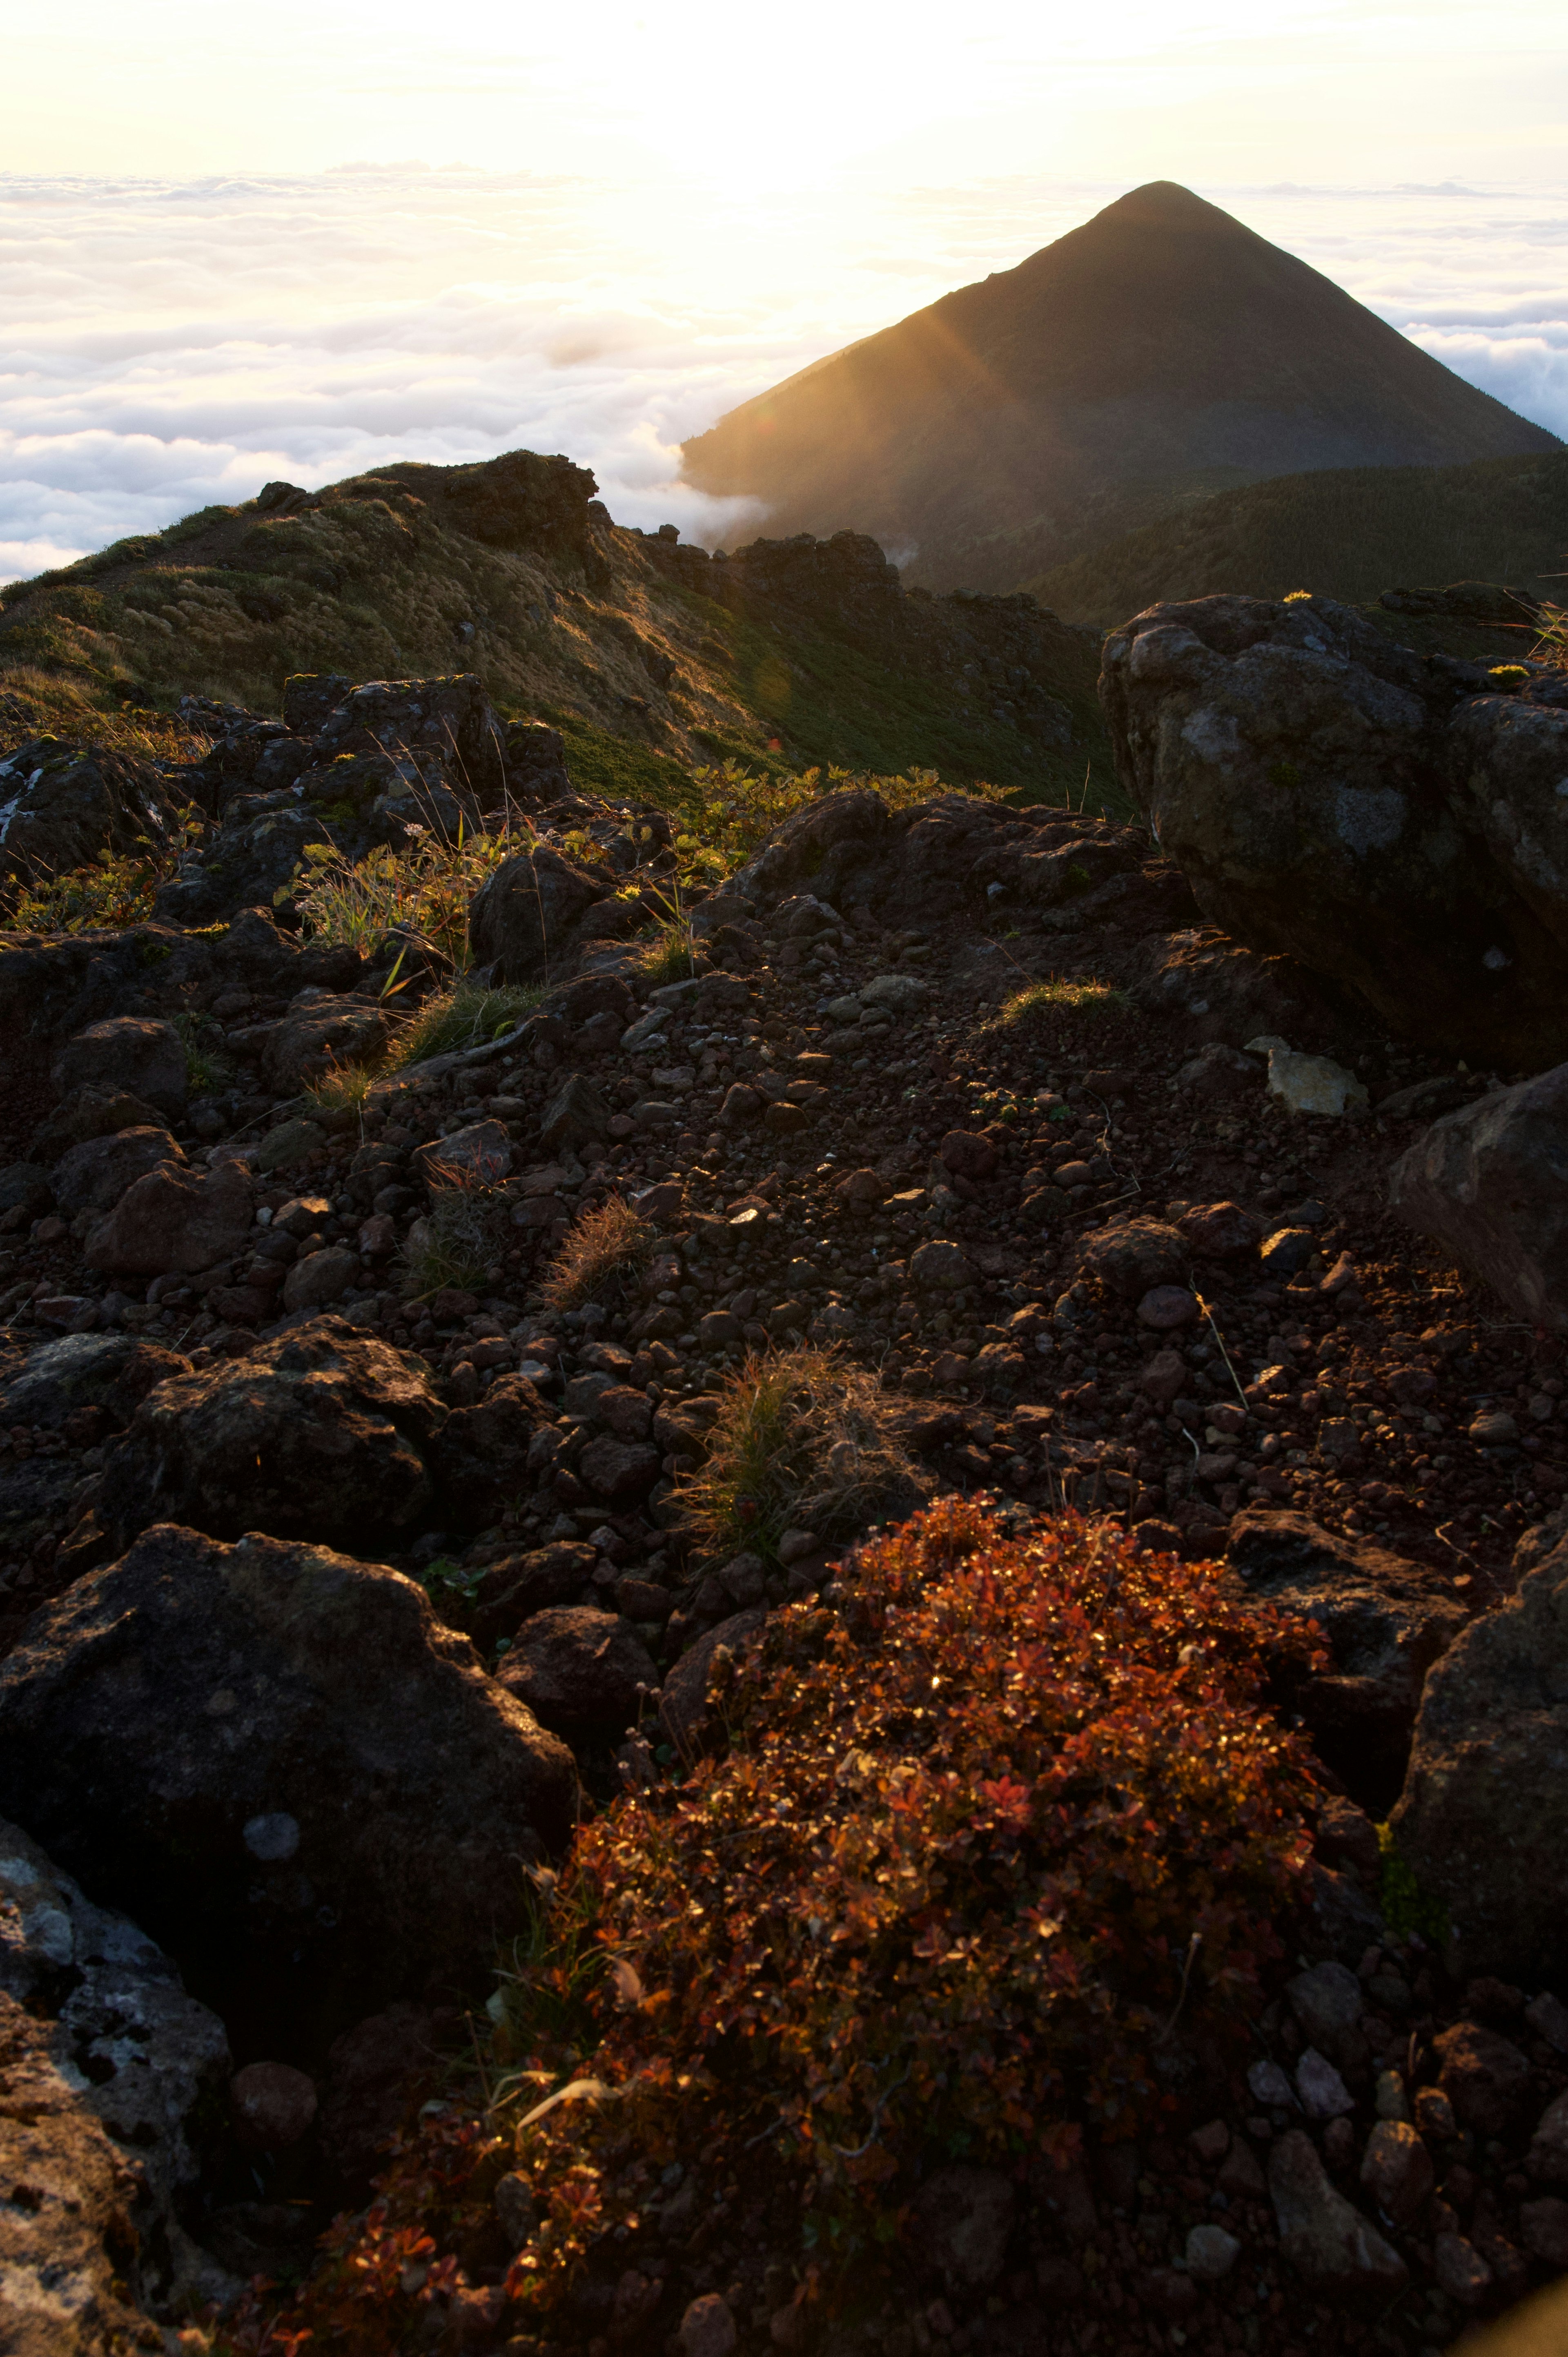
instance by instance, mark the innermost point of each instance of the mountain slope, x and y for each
(651, 656)
(1161, 347)
(1346, 533)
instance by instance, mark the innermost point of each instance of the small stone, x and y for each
(707, 2329)
(1165, 1307)
(479, 1155)
(719, 1328)
(1495, 1428)
(1211, 2143)
(746, 1578)
(1544, 2225)
(1323, 2094)
(517, 2213)
(1313, 1085)
(1487, 2078)
(1269, 2086)
(1548, 2017)
(290, 1143)
(1397, 2171)
(1389, 2101)
(940, 1267)
(968, 1156)
(273, 2105)
(795, 1545)
(1212, 2253)
(1460, 2270)
(1434, 2114)
(1163, 1377)
(323, 1276)
(963, 2217)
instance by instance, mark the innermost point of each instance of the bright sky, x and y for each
(301, 239)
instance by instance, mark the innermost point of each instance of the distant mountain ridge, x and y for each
(1163, 349)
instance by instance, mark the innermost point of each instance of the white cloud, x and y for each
(170, 344)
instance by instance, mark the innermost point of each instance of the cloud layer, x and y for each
(168, 345)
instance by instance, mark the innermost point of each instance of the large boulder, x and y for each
(1483, 1818)
(1385, 1624)
(1489, 1182)
(523, 919)
(173, 1221)
(95, 1174)
(151, 2064)
(322, 1432)
(83, 1387)
(127, 1051)
(303, 1785)
(1339, 799)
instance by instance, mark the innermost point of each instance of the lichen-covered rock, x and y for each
(287, 1765)
(60, 806)
(1334, 799)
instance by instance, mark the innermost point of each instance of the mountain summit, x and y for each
(1161, 350)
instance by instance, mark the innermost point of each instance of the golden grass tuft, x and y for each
(803, 1441)
(1065, 997)
(606, 1246)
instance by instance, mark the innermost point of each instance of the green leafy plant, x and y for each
(206, 1069)
(114, 890)
(425, 890)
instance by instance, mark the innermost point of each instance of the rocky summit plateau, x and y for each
(783, 1517)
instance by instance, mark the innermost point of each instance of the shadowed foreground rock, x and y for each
(300, 1780)
(1483, 1819)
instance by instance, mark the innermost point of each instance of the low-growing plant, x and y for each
(206, 1069)
(1073, 998)
(425, 890)
(803, 1441)
(988, 1854)
(343, 1087)
(112, 892)
(1551, 636)
(600, 1254)
(466, 1016)
(34, 702)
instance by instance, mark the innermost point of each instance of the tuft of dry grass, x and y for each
(1067, 997)
(803, 1441)
(1552, 641)
(463, 1016)
(425, 890)
(343, 1088)
(606, 1246)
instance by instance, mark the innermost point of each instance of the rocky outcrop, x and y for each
(525, 916)
(1484, 1813)
(1489, 1182)
(61, 805)
(1392, 822)
(342, 1810)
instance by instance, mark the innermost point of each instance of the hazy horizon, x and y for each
(234, 255)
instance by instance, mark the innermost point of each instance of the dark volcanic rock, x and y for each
(579, 1670)
(1334, 799)
(320, 1433)
(480, 1455)
(307, 1787)
(1489, 1182)
(1483, 1814)
(128, 1051)
(524, 916)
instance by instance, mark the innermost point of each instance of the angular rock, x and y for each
(1133, 1258)
(321, 1432)
(321, 1031)
(1485, 2078)
(479, 1455)
(940, 1267)
(1220, 1232)
(173, 1221)
(967, 1156)
(521, 1585)
(127, 1053)
(578, 1670)
(1219, 1071)
(1337, 2251)
(683, 1704)
(90, 1111)
(1333, 797)
(104, 1377)
(1484, 1813)
(1313, 1085)
(619, 1470)
(1165, 1307)
(523, 919)
(479, 1155)
(575, 1114)
(1486, 1181)
(1385, 1624)
(343, 1809)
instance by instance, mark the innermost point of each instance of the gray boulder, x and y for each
(1338, 2253)
(1339, 800)
(1484, 1815)
(1489, 1182)
(305, 1785)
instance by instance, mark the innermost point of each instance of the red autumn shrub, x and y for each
(973, 1840)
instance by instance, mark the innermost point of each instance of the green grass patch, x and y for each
(463, 1016)
(1064, 997)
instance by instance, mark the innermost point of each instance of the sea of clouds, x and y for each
(169, 344)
